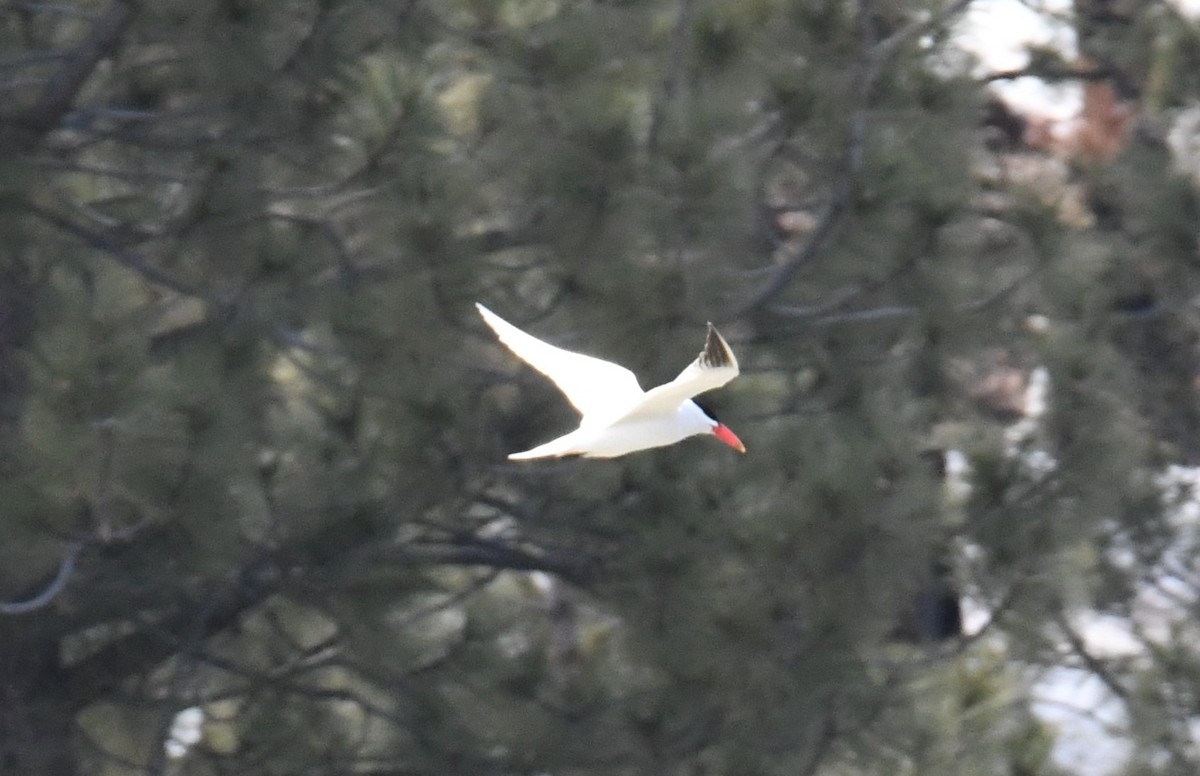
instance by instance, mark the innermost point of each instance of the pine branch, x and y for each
(65, 570)
(109, 244)
(875, 56)
(61, 90)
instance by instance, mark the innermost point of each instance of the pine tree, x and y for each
(257, 515)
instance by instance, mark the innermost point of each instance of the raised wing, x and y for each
(714, 367)
(592, 385)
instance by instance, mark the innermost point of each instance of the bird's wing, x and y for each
(592, 385)
(714, 367)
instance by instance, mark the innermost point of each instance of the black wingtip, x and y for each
(716, 352)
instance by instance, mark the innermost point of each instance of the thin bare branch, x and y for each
(1090, 661)
(140, 176)
(875, 56)
(62, 9)
(60, 91)
(675, 82)
(65, 569)
(108, 244)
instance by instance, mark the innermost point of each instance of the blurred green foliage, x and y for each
(241, 373)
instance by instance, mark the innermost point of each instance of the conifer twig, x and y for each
(60, 91)
(110, 245)
(65, 569)
(870, 66)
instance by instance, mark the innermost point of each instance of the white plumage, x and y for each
(618, 416)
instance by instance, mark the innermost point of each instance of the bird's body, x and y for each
(598, 440)
(618, 416)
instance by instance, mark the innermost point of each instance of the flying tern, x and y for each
(618, 417)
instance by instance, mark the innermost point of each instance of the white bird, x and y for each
(618, 416)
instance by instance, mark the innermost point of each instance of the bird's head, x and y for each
(720, 430)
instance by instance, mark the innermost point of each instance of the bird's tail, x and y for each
(555, 448)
